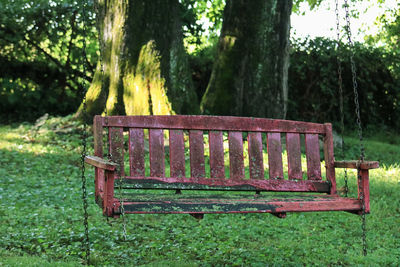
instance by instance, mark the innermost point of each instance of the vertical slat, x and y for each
(196, 146)
(363, 187)
(156, 151)
(275, 156)
(329, 157)
(313, 157)
(236, 165)
(136, 152)
(109, 194)
(116, 139)
(177, 153)
(294, 156)
(98, 151)
(98, 136)
(217, 164)
(256, 164)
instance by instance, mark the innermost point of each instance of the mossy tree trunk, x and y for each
(145, 67)
(249, 76)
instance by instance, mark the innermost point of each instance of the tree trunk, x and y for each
(145, 67)
(249, 76)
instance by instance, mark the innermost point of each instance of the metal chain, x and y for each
(354, 79)
(86, 240)
(121, 202)
(360, 135)
(340, 83)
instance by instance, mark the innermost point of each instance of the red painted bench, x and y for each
(185, 164)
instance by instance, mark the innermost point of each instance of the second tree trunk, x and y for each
(249, 76)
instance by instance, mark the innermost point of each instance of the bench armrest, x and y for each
(363, 177)
(104, 182)
(101, 163)
(357, 164)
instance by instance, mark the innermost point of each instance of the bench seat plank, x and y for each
(234, 203)
(174, 183)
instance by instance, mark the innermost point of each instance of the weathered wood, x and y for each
(218, 123)
(217, 184)
(355, 164)
(99, 179)
(107, 176)
(196, 147)
(116, 145)
(313, 157)
(136, 152)
(98, 136)
(275, 156)
(294, 156)
(363, 188)
(217, 163)
(109, 200)
(256, 164)
(156, 152)
(236, 164)
(177, 153)
(101, 163)
(233, 203)
(329, 158)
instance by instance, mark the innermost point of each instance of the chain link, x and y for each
(121, 202)
(86, 240)
(340, 83)
(354, 80)
(359, 124)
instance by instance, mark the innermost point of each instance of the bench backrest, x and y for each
(222, 139)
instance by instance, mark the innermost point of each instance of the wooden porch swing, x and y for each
(181, 193)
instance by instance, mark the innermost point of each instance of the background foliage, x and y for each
(41, 62)
(313, 83)
(41, 56)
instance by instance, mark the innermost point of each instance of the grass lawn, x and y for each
(41, 215)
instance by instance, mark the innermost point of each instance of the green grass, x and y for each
(41, 216)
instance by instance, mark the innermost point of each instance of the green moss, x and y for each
(114, 103)
(136, 97)
(219, 97)
(146, 85)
